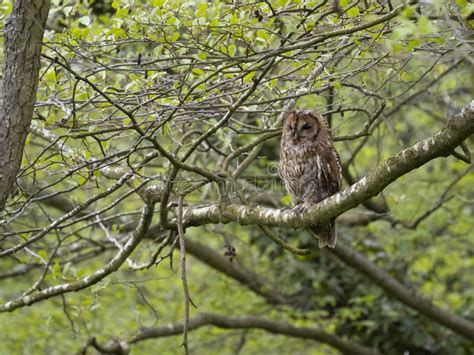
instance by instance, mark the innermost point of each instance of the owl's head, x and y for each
(302, 126)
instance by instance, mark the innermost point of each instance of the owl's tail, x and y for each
(325, 234)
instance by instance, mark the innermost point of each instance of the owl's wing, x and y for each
(336, 167)
(330, 177)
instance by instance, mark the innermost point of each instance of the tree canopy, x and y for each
(141, 206)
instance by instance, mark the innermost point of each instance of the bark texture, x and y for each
(23, 39)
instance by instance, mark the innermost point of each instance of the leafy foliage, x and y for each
(132, 87)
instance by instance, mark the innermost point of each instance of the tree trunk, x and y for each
(23, 38)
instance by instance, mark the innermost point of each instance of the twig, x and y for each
(182, 249)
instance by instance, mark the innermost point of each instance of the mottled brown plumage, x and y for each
(310, 167)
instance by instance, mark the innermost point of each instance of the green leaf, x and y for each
(467, 10)
(262, 34)
(201, 10)
(81, 180)
(286, 200)
(201, 56)
(234, 20)
(231, 50)
(353, 11)
(408, 11)
(175, 37)
(56, 269)
(6, 8)
(122, 13)
(198, 71)
(117, 33)
(104, 144)
(50, 75)
(67, 10)
(158, 3)
(248, 78)
(85, 20)
(171, 20)
(66, 267)
(404, 29)
(426, 26)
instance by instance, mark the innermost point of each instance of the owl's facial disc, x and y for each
(301, 127)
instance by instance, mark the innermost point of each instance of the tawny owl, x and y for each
(310, 167)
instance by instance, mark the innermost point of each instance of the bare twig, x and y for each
(182, 249)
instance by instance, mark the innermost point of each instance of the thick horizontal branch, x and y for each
(441, 144)
(255, 323)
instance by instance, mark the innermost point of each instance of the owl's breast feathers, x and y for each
(310, 171)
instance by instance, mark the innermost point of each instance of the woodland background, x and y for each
(155, 121)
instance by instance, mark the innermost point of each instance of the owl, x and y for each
(310, 167)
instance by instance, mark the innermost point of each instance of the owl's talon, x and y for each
(298, 209)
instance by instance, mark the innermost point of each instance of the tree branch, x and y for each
(271, 326)
(442, 143)
(112, 266)
(238, 272)
(402, 293)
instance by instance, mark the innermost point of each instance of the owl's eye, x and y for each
(306, 126)
(290, 127)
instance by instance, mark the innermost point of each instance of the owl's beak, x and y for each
(297, 134)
